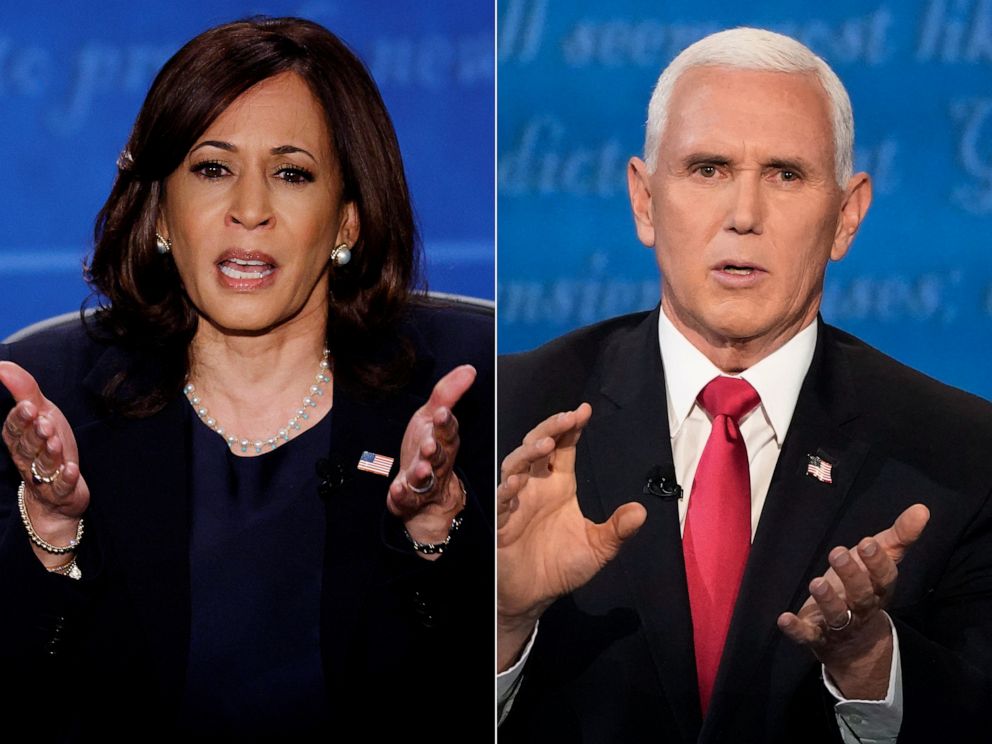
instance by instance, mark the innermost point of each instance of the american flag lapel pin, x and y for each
(819, 468)
(372, 462)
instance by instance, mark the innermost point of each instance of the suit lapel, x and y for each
(356, 509)
(627, 436)
(799, 516)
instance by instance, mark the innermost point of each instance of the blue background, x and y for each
(73, 75)
(574, 83)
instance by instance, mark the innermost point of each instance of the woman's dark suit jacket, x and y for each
(404, 642)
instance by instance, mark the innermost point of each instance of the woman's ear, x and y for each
(350, 229)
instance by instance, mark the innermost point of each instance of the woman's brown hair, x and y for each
(148, 311)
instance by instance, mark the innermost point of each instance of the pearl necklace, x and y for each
(322, 378)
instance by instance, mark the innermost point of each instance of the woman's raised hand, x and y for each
(426, 494)
(38, 436)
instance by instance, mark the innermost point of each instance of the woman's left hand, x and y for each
(427, 457)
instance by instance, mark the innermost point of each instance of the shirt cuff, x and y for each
(871, 721)
(508, 682)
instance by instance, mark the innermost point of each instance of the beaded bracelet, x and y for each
(437, 548)
(38, 539)
(456, 522)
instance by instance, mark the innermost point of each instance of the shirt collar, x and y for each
(777, 378)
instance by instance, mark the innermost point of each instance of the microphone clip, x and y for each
(333, 476)
(662, 483)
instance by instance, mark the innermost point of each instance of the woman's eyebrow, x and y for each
(280, 150)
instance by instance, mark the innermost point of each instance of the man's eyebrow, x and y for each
(280, 150)
(695, 158)
(705, 158)
(793, 164)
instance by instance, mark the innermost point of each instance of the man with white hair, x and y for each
(712, 548)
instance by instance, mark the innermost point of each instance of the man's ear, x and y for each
(639, 189)
(857, 199)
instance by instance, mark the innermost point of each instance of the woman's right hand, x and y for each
(36, 431)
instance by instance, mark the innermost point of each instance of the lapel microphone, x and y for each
(333, 475)
(661, 482)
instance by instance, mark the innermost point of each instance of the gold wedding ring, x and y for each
(843, 625)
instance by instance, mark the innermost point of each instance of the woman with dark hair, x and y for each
(183, 542)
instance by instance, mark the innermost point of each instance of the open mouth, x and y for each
(736, 275)
(739, 270)
(241, 268)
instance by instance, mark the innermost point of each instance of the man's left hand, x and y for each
(843, 621)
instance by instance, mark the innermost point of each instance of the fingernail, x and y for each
(842, 559)
(870, 548)
(820, 588)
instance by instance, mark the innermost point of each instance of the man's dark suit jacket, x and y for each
(613, 661)
(107, 655)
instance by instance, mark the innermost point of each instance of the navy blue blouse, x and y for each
(256, 555)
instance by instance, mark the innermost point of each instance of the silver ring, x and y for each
(38, 477)
(426, 488)
(847, 621)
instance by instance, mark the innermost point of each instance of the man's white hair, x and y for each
(755, 49)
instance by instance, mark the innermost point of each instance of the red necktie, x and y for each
(717, 533)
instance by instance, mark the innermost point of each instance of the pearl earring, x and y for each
(163, 244)
(341, 255)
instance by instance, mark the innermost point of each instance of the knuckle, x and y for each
(884, 575)
(864, 603)
(889, 578)
(509, 465)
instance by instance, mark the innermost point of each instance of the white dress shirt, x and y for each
(777, 379)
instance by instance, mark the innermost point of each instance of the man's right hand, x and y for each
(546, 548)
(36, 431)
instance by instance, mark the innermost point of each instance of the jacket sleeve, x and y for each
(946, 645)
